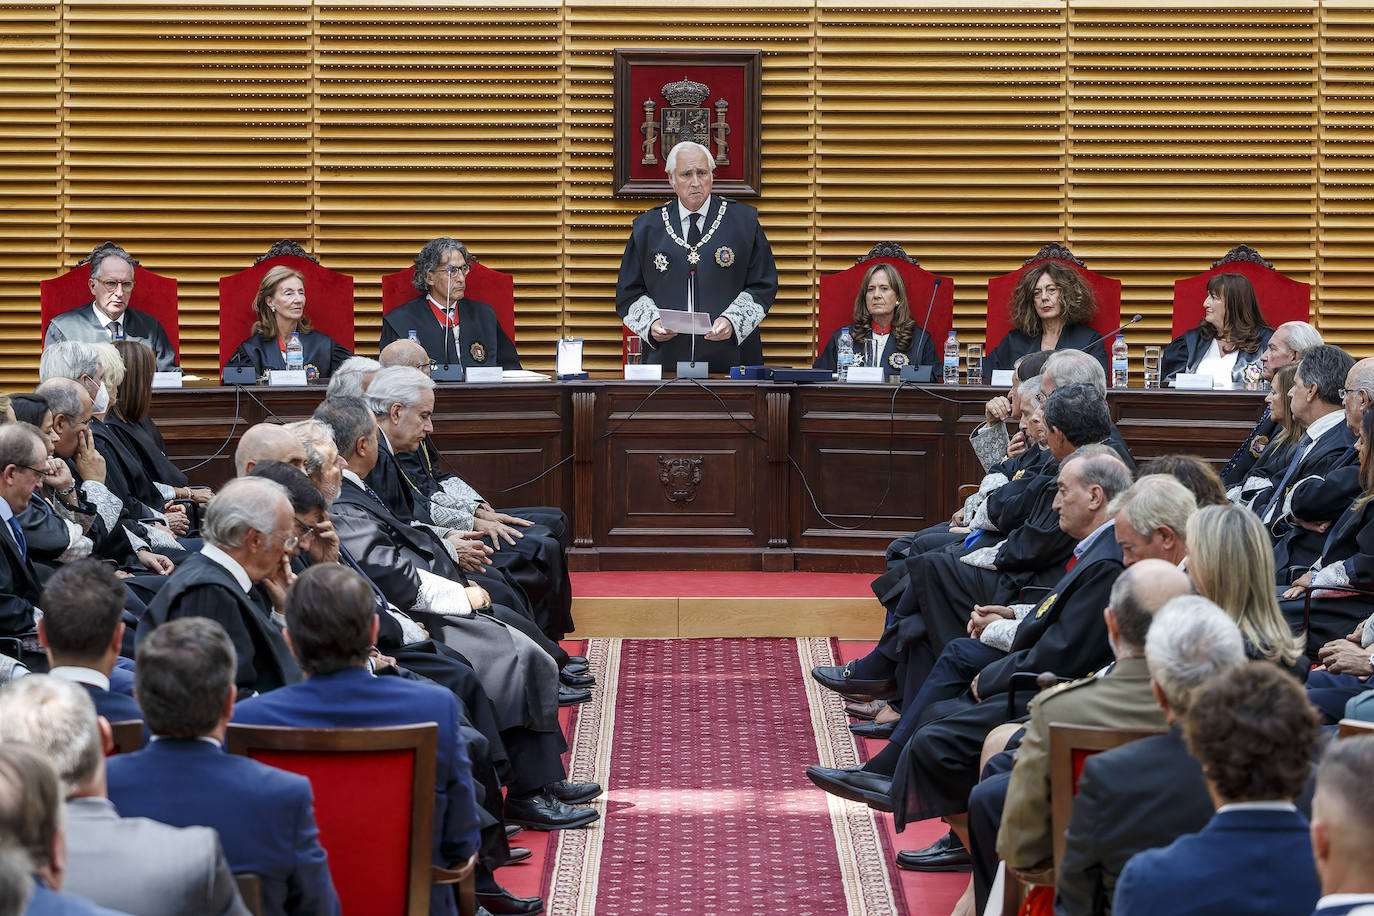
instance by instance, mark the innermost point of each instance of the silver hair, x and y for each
(114, 363)
(1074, 367)
(431, 256)
(63, 396)
(347, 380)
(670, 161)
(396, 385)
(1191, 640)
(69, 359)
(1301, 335)
(244, 504)
(1156, 501)
(58, 718)
(309, 432)
(1101, 467)
(1029, 389)
(109, 250)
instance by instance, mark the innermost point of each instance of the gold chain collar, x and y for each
(692, 256)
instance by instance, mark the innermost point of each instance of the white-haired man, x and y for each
(1284, 348)
(707, 243)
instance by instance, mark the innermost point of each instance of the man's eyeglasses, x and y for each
(306, 531)
(112, 285)
(458, 268)
(1349, 391)
(39, 471)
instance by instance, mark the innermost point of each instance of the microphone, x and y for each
(1101, 337)
(926, 323)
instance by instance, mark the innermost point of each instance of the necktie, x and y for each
(19, 537)
(116, 332)
(694, 228)
(1281, 489)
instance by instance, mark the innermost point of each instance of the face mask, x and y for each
(102, 400)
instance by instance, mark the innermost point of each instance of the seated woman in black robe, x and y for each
(882, 316)
(280, 307)
(1050, 310)
(1227, 343)
(1258, 487)
(1347, 560)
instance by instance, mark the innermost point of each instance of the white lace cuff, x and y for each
(442, 596)
(981, 521)
(411, 632)
(107, 505)
(744, 314)
(78, 545)
(161, 539)
(999, 634)
(642, 313)
(1331, 575)
(461, 494)
(136, 542)
(983, 557)
(166, 491)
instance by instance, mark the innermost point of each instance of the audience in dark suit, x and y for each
(83, 629)
(264, 816)
(1254, 733)
(134, 864)
(1343, 827)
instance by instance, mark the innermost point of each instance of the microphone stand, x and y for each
(447, 371)
(692, 369)
(922, 374)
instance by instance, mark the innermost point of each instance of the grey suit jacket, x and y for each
(146, 868)
(81, 324)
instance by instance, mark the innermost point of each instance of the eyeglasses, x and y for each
(458, 268)
(306, 531)
(1049, 292)
(112, 285)
(1348, 391)
(39, 471)
(288, 542)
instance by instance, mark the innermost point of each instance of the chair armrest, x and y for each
(1042, 681)
(1307, 591)
(465, 877)
(966, 490)
(454, 874)
(1036, 877)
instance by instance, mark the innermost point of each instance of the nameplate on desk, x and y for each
(865, 375)
(485, 374)
(292, 377)
(1001, 378)
(644, 372)
(1193, 381)
(167, 379)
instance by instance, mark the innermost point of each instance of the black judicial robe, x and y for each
(1017, 344)
(481, 339)
(318, 351)
(145, 442)
(735, 259)
(920, 353)
(81, 324)
(200, 587)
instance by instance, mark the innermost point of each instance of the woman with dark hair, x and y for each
(1050, 310)
(1273, 462)
(883, 315)
(128, 421)
(280, 307)
(1197, 475)
(1227, 343)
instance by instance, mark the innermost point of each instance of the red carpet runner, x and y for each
(702, 746)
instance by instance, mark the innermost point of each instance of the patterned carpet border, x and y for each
(572, 889)
(858, 840)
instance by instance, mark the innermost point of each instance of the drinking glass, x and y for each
(1152, 358)
(974, 362)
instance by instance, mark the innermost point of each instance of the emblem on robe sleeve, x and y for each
(725, 256)
(479, 353)
(661, 262)
(1257, 445)
(1045, 606)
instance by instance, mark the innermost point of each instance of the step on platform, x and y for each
(698, 604)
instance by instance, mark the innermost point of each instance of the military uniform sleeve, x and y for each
(1025, 839)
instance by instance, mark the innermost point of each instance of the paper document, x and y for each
(683, 322)
(523, 375)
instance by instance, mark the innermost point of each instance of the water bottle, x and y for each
(952, 359)
(844, 354)
(1120, 362)
(414, 338)
(295, 355)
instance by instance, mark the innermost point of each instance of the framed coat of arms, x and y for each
(665, 97)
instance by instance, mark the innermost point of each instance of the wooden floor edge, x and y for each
(699, 618)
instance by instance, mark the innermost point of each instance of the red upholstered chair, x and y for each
(328, 298)
(838, 291)
(153, 293)
(493, 287)
(1106, 290)
(1281, 298)
(381, 863)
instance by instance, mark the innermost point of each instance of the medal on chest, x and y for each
(693, 255)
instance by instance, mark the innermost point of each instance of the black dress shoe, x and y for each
(542, 811)
(574, 793)
(507, 903)
(945, 854)
(518, 854)
(513, 831)
(854, 784)
(873, 729)
(840, 678)
(577, 660)
(575, 680)
(571, 696)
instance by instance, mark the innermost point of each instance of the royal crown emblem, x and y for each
(684, 119)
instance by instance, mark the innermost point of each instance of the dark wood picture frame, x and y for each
(740, 142)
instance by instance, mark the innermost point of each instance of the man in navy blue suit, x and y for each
(331, 626)
(82, 630)
(1254, 733)
(265, 816)
(1343, 827)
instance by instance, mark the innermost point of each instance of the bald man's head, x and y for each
(1137, 595)
(268, 442)
(405, 353)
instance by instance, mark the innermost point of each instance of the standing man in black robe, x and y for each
(705, 241)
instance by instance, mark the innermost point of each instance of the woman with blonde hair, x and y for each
(882, 314)
(280, 308)
(1231, 562)
(1273, 462)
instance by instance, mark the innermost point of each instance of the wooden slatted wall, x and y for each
(1149, 138)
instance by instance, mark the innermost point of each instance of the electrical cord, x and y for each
(227, 439)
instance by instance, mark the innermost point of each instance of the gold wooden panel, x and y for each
(1149, 138)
